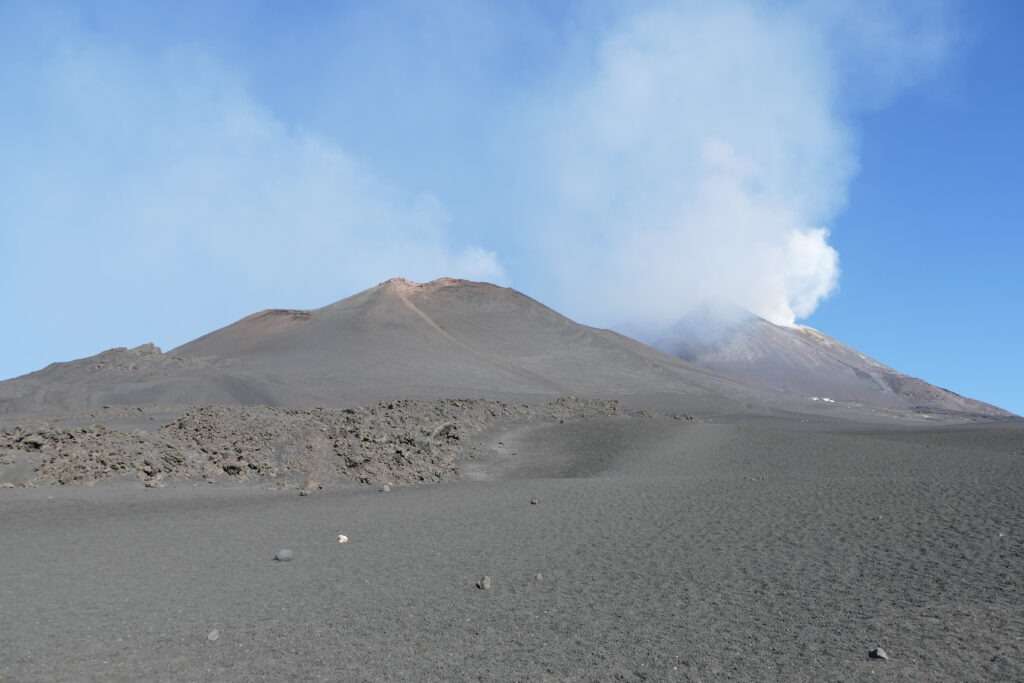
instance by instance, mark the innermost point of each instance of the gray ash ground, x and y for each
(401, 442)
(740, 549)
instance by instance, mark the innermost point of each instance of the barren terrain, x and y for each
(520, 498)
(619, 549)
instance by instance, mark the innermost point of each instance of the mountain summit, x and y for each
(400, 339)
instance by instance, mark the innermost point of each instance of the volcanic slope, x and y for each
(444, 338)
(803, 362)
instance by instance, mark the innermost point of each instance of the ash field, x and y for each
(522, 498)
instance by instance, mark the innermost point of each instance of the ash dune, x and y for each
(801, 361)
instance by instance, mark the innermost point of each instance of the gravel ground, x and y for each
(667, 550)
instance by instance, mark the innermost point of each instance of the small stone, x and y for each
(304, 492)
(342, 538)
(284, 555)
(535, 501)
(33, 442)
(484, 583)
(386, 488)
(213, 636)
(877, 653)
(538, 577)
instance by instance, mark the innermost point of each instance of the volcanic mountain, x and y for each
(801, 361)
(454, 338)
(446, 338)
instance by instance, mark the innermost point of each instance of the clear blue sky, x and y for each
(932, 240)
(851, 165)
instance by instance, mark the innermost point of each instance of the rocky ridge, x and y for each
(405, 441)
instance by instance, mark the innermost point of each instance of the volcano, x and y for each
(643, 538)
(803, 362)
(456, 338)
(400, 339)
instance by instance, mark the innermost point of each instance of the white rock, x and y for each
(342, 538)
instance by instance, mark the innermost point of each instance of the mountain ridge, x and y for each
(458, 338)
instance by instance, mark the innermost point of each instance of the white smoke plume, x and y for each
(621, 162)
(702, 159)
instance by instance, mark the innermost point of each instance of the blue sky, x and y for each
(932, 237)
(851, 165)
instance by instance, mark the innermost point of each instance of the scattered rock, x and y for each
(213, 636)
(284, 555)
(388, 443)
(535, 501)
(32, 442)
(310, 485)
(484, 583)
(877, 653)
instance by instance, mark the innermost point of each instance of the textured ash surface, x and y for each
(389, 442)
(670, 550)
